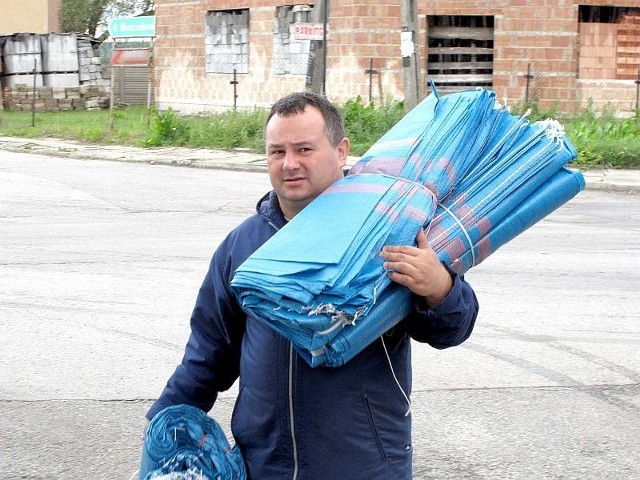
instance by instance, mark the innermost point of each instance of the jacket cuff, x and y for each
(449, 303)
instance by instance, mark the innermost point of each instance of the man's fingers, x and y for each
(400, 267)
(421, 240)
(398, 250)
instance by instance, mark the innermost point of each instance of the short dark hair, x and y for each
(296, 102)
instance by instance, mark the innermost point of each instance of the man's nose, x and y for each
(290, 161)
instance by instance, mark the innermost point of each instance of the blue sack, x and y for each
(460, 166)
(184, 440)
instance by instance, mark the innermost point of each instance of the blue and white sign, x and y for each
(133, 27)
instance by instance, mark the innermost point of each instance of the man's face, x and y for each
(300, 159)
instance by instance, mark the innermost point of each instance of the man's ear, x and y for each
(343, 150)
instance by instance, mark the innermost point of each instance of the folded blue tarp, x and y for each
(184, 440)
(396, 302)
(461, 167)
(321, 295)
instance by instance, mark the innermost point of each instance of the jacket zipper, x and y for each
(291, 419)
(273, 225)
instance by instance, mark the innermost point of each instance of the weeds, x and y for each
(364, 124)
(602, 139)
(167, 129)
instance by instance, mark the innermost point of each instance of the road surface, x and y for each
(99, 267)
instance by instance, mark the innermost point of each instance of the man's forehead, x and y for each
(294, 128)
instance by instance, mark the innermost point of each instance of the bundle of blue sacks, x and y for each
(472, 175)
(184, 443)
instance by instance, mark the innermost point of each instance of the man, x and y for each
(292, 421)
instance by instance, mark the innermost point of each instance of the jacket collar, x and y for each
(269, 207)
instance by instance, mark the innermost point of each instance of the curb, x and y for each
(608, 180)
(169, 156)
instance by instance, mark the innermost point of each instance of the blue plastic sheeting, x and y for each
(184, 442)
(321, 295)
(396, 303)
(460, 166)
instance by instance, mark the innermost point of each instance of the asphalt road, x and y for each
(100, 263)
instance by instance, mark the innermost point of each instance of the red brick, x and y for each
(541, 32)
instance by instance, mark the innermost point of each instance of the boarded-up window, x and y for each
(609, 42)
(227, 41)
(291, 55)
(460, 51)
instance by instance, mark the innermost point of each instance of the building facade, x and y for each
(211, 55)
(43, 16)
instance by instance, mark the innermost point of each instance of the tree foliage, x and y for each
(85, 16)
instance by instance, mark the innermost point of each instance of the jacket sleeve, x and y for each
(448, 324)
(212, 355)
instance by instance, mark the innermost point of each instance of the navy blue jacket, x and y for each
(290, 420)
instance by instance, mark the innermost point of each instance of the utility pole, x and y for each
(409, 52)
(317, 68)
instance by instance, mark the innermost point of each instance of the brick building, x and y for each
(36, 16)
(561, 52)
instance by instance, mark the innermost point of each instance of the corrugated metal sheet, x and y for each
(131, 85)
(59, 53)
(61, 80)
(59, 60)
(22, 56)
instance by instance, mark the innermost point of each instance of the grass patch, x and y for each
(602, 139)
(130, 125)
(364, 123)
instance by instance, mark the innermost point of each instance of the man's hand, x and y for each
(419, 269)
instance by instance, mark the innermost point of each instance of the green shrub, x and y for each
(602, 139)
(232, 129)
(365, 124)
(167, 128)
(618, 153)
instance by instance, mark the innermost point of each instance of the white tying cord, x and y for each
(134, 475)
(466, 234)
(406, 397)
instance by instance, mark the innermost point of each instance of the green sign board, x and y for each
(132, 27)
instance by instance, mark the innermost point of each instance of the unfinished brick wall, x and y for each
(181, 79)
(614, 95)
(628, 47)
(358, 33)
(609, 59)
(598, 51)
(537, 35)
(364, 34)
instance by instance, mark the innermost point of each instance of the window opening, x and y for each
(227, 41)
(291, 54)
(609, 42)
(460, 52)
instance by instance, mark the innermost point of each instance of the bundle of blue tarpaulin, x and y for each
(184, 443)
(460, 166)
